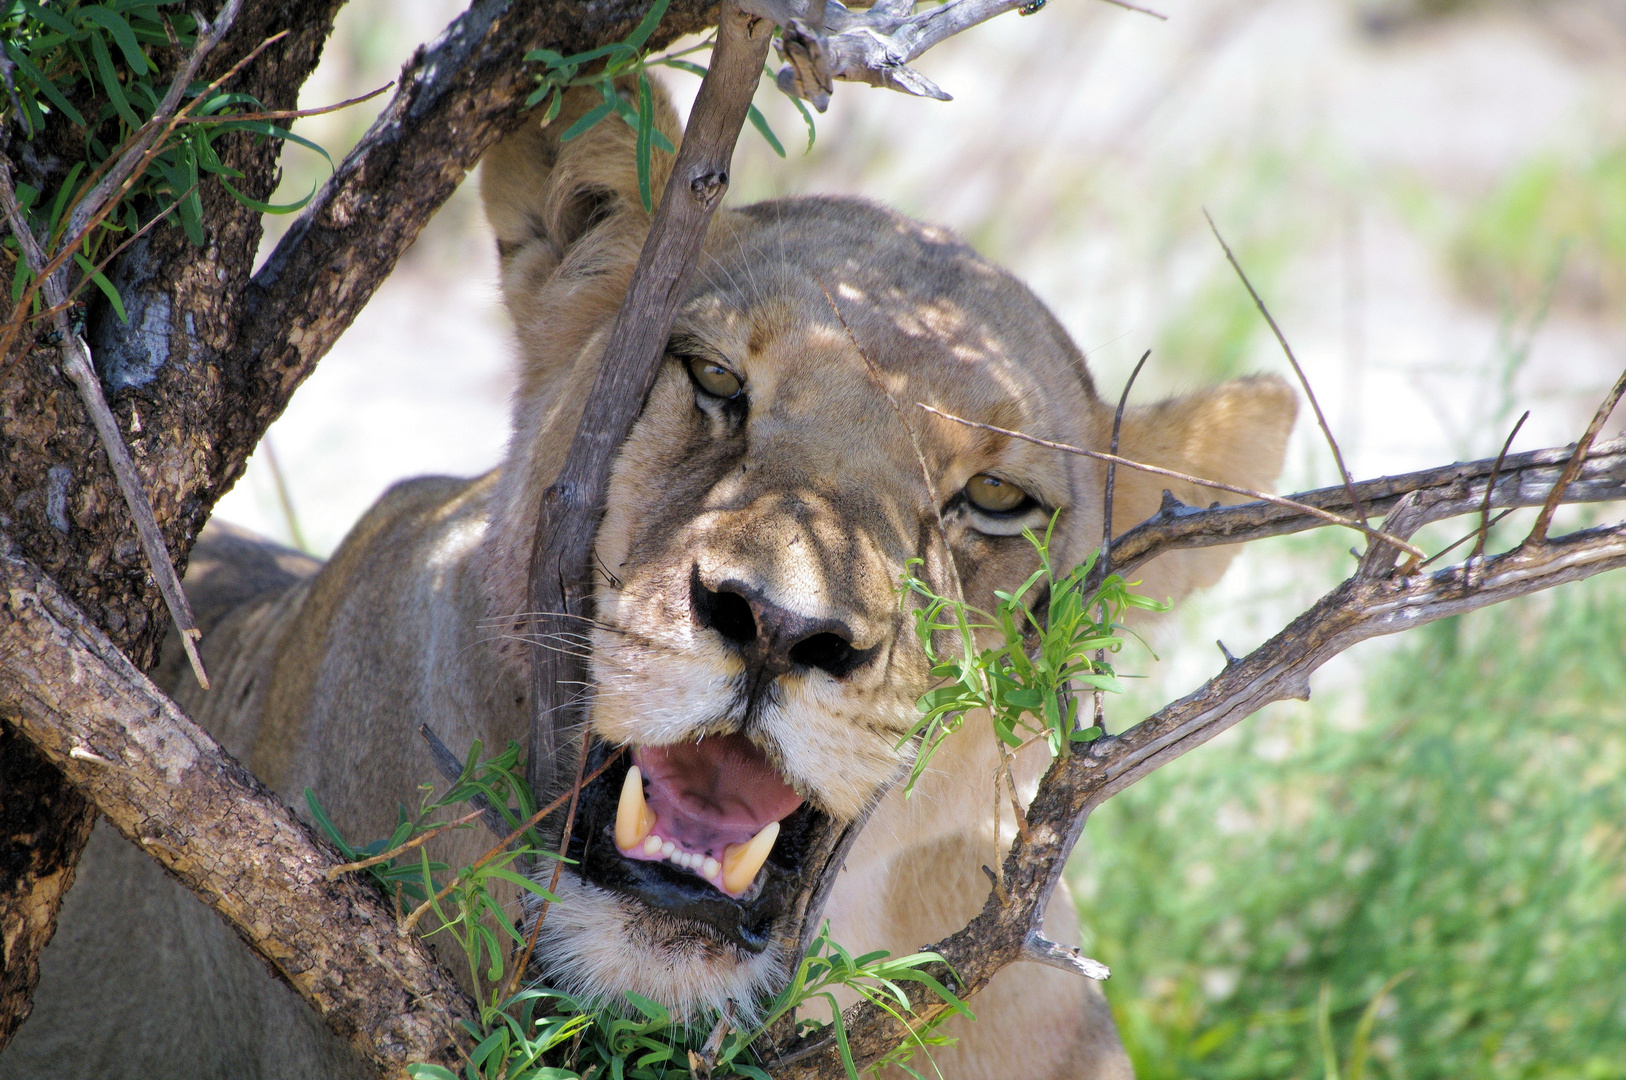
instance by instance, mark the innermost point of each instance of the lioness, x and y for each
(749, 644)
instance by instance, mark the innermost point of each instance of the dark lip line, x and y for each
(798, 873)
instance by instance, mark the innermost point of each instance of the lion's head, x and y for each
(750, 647)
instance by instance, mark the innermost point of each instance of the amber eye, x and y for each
(994, 495)
(714, 379)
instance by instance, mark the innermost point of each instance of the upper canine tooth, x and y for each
(633, 817)
(742, 861)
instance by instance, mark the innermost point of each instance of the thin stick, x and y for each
(295, 533)
(558, 865)
(1136, 7)
(1112, 467)
(1538, 532)
(1411, 567)
(1490, 488)
(502, 845)
(914, 441)
(77, 367)
(334, 872)
(18, 320)
(1304, 381)
(1335, 519)
(91, 210)
(285, 114)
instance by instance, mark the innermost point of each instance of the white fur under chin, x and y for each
(598, 945)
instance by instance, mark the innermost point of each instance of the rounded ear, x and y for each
(544, 196)
(1235, 433)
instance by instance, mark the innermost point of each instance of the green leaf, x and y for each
(110, 80)
(37, 78)
(646, 132)
(260, 127)
(265, 207)
(586, 121)
(760, 122)
(125, 37)
(647, 26)
(523, 882)
(685, 65)
(48, 17)
(807, 118)
(320, 817)
(1089, 734)
(421, 1071)
(103, 284)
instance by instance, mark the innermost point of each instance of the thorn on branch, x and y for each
(1538, 531)
(1112, 467)
(1229, 659)
(1405, 518)
(999, 886)
(1304, 381)
(1490, 489)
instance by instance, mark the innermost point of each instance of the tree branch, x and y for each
(170, 789)
(1363, 607)
(1524, 480)
(560, 570)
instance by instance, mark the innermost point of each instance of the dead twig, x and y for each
(77, 367)
(1490, 488)
(1112, 466)
(564, 849)
(1304, 380)
(1335, 519)
(335, 872)
(286, 114)
(1538, 531)
(1449, 490)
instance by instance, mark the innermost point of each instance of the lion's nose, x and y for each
(772, 637)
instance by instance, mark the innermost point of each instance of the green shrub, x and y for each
(1470, 830)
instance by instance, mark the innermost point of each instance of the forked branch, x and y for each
(1377, 600)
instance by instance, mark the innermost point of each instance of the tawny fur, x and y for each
(812, 495)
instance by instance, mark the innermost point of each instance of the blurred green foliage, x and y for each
(1471, 830)
(1552, 225)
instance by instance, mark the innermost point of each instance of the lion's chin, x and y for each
(661, 928)
(597, 945)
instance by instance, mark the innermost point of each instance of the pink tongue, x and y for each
(716, 792)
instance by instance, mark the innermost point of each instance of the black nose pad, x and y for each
(769, 636)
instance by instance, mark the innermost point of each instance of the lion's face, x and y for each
(751, 650)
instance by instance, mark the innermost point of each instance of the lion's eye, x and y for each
(714, 379)
(994, 495)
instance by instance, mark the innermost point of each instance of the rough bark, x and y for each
(58, 497)
(44, 822)
(171, 790)
(209, 358)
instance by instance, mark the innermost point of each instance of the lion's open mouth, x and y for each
(706, 831)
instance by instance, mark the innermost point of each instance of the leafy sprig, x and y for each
(100, 55)
(603, 66)
(1025, 678)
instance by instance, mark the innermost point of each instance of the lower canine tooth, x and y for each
(633, 817)
(742, 861)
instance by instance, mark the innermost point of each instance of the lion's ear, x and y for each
(1235, 433)
(544, 197)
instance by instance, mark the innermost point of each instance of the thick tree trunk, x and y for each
(210, 356)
